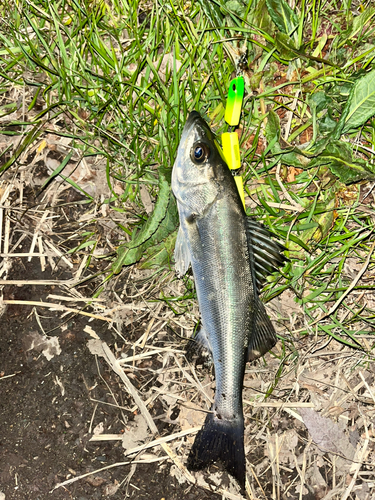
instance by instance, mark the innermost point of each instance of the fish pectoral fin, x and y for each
(194, 238)
(263, 337)
(181, 254)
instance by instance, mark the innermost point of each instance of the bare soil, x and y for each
(49, 408)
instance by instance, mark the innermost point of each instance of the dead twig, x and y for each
(116, 367)
(56, 307)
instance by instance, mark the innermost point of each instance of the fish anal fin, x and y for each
(199, 347)
(220, 440)
(263, 337)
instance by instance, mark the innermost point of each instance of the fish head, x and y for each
(199, 169)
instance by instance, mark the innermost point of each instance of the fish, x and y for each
(231, 256)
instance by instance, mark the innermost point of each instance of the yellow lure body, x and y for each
(229, 140)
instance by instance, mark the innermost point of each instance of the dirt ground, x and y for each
(50, 408)
(47, 409)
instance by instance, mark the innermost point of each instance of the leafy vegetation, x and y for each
(117, 79)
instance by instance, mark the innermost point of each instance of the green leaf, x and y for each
(282, 15)
(340, 339)
(286, 47)
(82, 246)
(259, 17)
(327, 124)
(290, 156)
(359, 23)
(320, 101)
(161, 223)
(212, 12)
(236, 7)
(160, 254)
(338, 156)
(361, 102)
(272, 130)
(58, 170)
(315, 293)
(29, 139)
(288, 50)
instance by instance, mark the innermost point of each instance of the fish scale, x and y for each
(229, 256)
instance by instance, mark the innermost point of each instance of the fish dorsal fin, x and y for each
(263, 337)
(181, 254)
(267, 253)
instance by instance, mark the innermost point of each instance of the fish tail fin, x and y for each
(221, 440)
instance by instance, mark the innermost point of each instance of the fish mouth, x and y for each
(193, 121)
(193, 118)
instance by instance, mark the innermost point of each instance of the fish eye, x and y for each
(200, 153)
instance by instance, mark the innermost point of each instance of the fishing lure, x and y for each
(229, 140)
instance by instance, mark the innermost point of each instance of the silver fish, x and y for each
(230, 256)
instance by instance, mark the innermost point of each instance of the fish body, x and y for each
(229, 255)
